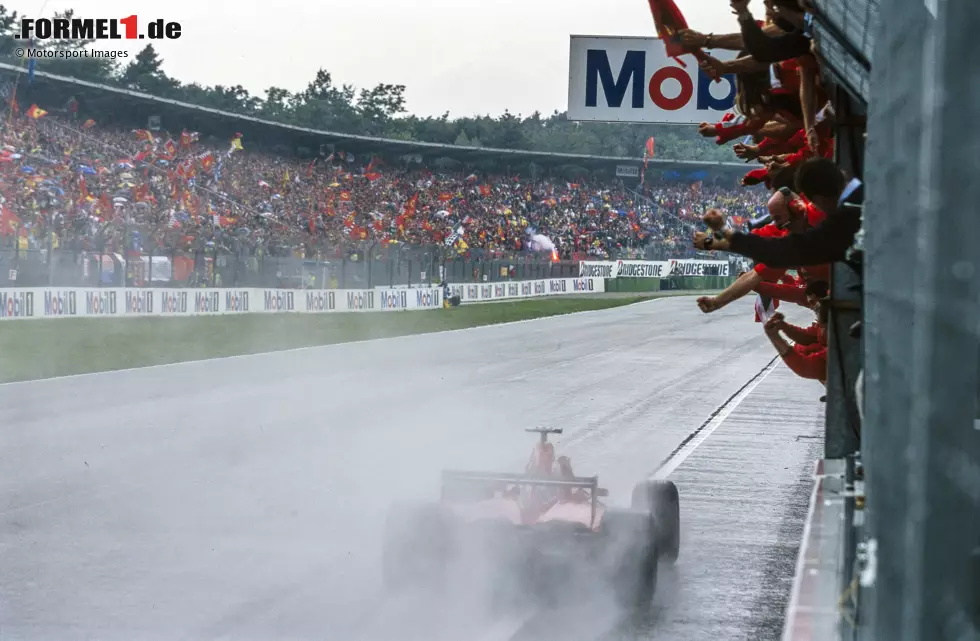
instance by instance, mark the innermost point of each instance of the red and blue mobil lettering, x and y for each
(539, 287)
(139, 302)
(100, 304)
(486, 292)
(206, 303)
(360, 301)
(320, 301)
(60, 303)
(556, 286)
(637, 78)
(173, 302)
(500, 291)
(16, 304)
(582, 285)
(236, 300)
(394, 299)
(427, 298)
(472, 292)
(277, 301)
(513, 290)
(525, 289)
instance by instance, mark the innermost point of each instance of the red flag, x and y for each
(83, 190)
(411, 205)
(207, 161)
(8, 221)
(669, 20)
(650, 147)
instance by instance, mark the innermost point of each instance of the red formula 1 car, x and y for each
(539, 522)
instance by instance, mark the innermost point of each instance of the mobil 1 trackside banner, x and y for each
(83, 302)
(106, 302)
(653, 268)
(510, 290)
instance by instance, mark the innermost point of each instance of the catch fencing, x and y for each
(365, 268)
(369, 268)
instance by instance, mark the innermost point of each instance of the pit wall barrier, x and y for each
(88, 302)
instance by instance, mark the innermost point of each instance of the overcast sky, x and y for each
(462, 56)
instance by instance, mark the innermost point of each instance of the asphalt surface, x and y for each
(244, 498)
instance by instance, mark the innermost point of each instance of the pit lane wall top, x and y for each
(75, 302)
(654, 269)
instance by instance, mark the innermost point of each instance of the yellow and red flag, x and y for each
(35, 112)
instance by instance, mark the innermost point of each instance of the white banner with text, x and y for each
(654, 268)
(90, 302)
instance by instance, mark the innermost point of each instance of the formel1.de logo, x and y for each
(128, 28)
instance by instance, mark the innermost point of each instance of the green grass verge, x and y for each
(59, 347)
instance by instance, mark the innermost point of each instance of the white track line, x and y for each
(793, 605)
(334, 345)
(701, 435)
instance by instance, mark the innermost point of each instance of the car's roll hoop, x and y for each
(544, 432)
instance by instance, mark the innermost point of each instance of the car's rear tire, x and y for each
(417, 546)
(632, 556)
(661, 499)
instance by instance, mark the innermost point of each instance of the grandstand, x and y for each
(299, 196)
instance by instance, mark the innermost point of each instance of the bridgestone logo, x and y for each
(698, 269)
(596, 271)
(640, 270)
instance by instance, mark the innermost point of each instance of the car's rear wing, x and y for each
(492, 479)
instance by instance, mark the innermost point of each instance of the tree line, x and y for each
(377, 111)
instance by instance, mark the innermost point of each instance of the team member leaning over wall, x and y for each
(808, 357)
(790, 215)
(824, 185)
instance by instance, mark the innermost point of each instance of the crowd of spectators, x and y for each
(784, 120)
(69, 183)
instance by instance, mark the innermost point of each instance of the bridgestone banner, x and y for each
(653, 269)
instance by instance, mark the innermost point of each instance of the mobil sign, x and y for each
(633, 80)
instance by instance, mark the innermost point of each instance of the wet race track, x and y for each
(244, 498)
